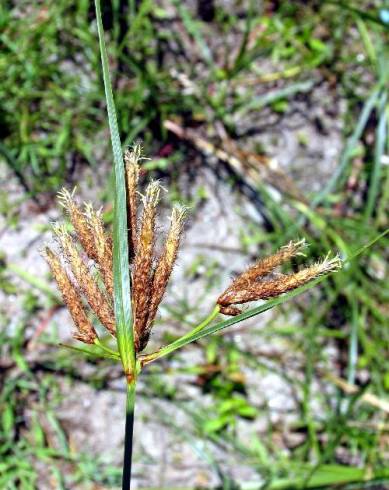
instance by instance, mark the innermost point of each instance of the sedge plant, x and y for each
(120, 279)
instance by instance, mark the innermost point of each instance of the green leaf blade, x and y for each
(122, 284)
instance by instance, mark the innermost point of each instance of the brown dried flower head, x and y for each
(260, 282)
(83, 267)
(84, 328)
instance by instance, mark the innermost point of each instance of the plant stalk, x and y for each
(121, 275)
(128, 436)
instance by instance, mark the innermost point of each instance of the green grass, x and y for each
(53, 125)
(51, 99)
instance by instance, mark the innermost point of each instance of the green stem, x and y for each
(201, 326)
(128, 437)
(107, 349)
(205, 322)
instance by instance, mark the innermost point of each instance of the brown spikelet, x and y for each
(84, 328)
(131, 158)
(79, 222)
(166, 262)
(96, 299)
(142, 270)
(268, 264)
(103, 246)
(271, 288)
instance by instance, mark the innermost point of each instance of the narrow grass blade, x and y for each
(13, 164)
(350, 146)
(35, 282)
(360, 13)
(352, 348)
(122, 286)
(193, 29)
(324, 476)
(256, 103)
(245, 41)
(363, 249)
(380, 142)
(353, 342)
(366, 38)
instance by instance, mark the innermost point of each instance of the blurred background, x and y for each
(269, 119)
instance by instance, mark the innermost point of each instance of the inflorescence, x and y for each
(77, 279)
(260, 282)
(83, 267)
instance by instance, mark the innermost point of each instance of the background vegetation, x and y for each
(198, 82)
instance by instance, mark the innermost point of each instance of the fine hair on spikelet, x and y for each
(257, 283)
(150, 273)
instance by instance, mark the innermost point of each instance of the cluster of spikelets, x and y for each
(84, 270)
(261, 282)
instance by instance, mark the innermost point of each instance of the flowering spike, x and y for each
(79, 222)
(150, 274)
(268, 264)
(142, 269)
(132, 176)
(96, 299)
(241, 292)
(166, 262)
(85, 331)
(103, 246)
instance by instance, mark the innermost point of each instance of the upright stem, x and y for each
(128, 437)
